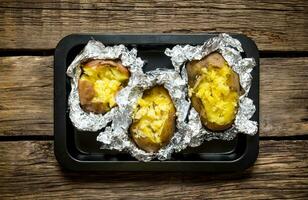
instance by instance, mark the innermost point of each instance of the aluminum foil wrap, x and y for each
(230, 48)
(114, 125)
(96, 50)
(116, 136)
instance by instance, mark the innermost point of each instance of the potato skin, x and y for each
(86, 88)
(145, 143)
(194, 72)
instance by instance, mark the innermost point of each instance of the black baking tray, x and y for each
(79, 151)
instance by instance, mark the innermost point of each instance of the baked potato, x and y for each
(99, 83)
(153, 119)
(214, 90)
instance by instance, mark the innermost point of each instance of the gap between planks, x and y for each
(277, 26)
(281, 171)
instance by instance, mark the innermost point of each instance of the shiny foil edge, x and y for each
(230, 48)
(96, 50)
(116, 136)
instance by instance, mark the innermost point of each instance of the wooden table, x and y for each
(29, 32)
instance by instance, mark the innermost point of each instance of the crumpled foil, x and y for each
(189, 130)
(116, 136)
(96, 50)
(230, 48)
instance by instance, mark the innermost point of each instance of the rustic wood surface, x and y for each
(26, 100)
(29, 170)
(27, 96)
(29, 32)
(274, 25)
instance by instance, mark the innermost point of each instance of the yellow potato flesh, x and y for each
(151, 114)
(107, 81)
(214, 91)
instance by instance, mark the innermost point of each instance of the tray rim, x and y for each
(67, 161)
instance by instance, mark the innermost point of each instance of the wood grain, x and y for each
(284, 96)
(32, 24)
(29, 170)
(26, 96)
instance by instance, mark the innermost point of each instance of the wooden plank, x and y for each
(284, 96)
(26, 96)
(29, 170)
(32, 24)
